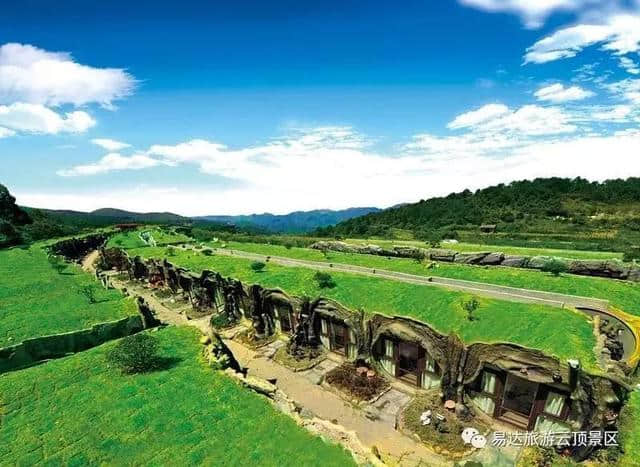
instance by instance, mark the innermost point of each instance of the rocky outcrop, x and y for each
(610, 269)
(75, 249)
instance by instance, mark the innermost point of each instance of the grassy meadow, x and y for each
(464, 247)
(563, 333)
(78, 411)
(623, 294)
(132, 239)
(36, 300)
(630, 431)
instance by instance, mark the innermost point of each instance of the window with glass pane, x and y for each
(488, 382)
(388, 361)
(554, 404)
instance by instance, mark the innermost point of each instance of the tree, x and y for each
(324, 280)
(89, 292)
(258, 266)
(470, 306)
(135, 354)
(631, 254)
(555, 267)
(57, 263)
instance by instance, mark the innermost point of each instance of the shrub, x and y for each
(631, 254)
(470, 306)
(324, 280)
(258, 266)
(207, 252)
(135, 354)
(57, 263)
(170, 251)
(89, 292)
(555, 267)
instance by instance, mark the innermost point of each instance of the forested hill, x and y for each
(549, 205)
(295, 222)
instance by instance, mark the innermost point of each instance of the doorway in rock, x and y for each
(518, 400)
(522, 403)
(408, 362)
(408, 356)
(336, 336)
(284, 319)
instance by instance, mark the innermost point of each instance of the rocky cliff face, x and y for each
(610, 269)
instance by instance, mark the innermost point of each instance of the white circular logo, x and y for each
(468, 433)
(478, 441)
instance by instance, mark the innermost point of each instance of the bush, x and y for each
(258, 266)
(207, 252)
(89, 292)
(631, 254)
(170, 251)
(555, 267)
(135, 354)
(57, 263)
(470, 306)
(324, 280)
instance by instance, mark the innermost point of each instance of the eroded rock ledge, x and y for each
(600, 268)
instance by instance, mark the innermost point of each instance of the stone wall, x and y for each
(74, 249)
(601, 268)
(37, 349)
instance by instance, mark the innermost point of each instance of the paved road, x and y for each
(482, 289)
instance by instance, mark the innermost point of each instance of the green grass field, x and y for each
(132, 239)
(563, 333)
(35, 300)
(77, 411)
(623, 294)
(630, 431)
(509, 250)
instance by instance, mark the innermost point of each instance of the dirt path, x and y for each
(326, 405)
(89, 261)
(488, 290)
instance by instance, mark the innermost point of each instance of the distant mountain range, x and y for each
(295, 222)
(107, 216)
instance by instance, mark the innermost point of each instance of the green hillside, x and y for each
(551, 212)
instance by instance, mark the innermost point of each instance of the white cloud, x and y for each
(474, 117)
(532, 12)
(627, 89)
(36, 118)
(527, 120)
(5, 132)
(629, 65)
(111, 162)
(338, 178)
(110, 144)
(36, 76)
(618, 33)
(618, 113)
(558, 93)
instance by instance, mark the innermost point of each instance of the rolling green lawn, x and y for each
(132, 239)
(509, 250)
(77, 411)
(630, 430)
(623, 294)
(35, 300)
(563, 333)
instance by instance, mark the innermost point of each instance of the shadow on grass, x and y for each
(165, 363)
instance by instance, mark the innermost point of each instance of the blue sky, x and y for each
(205, 108)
